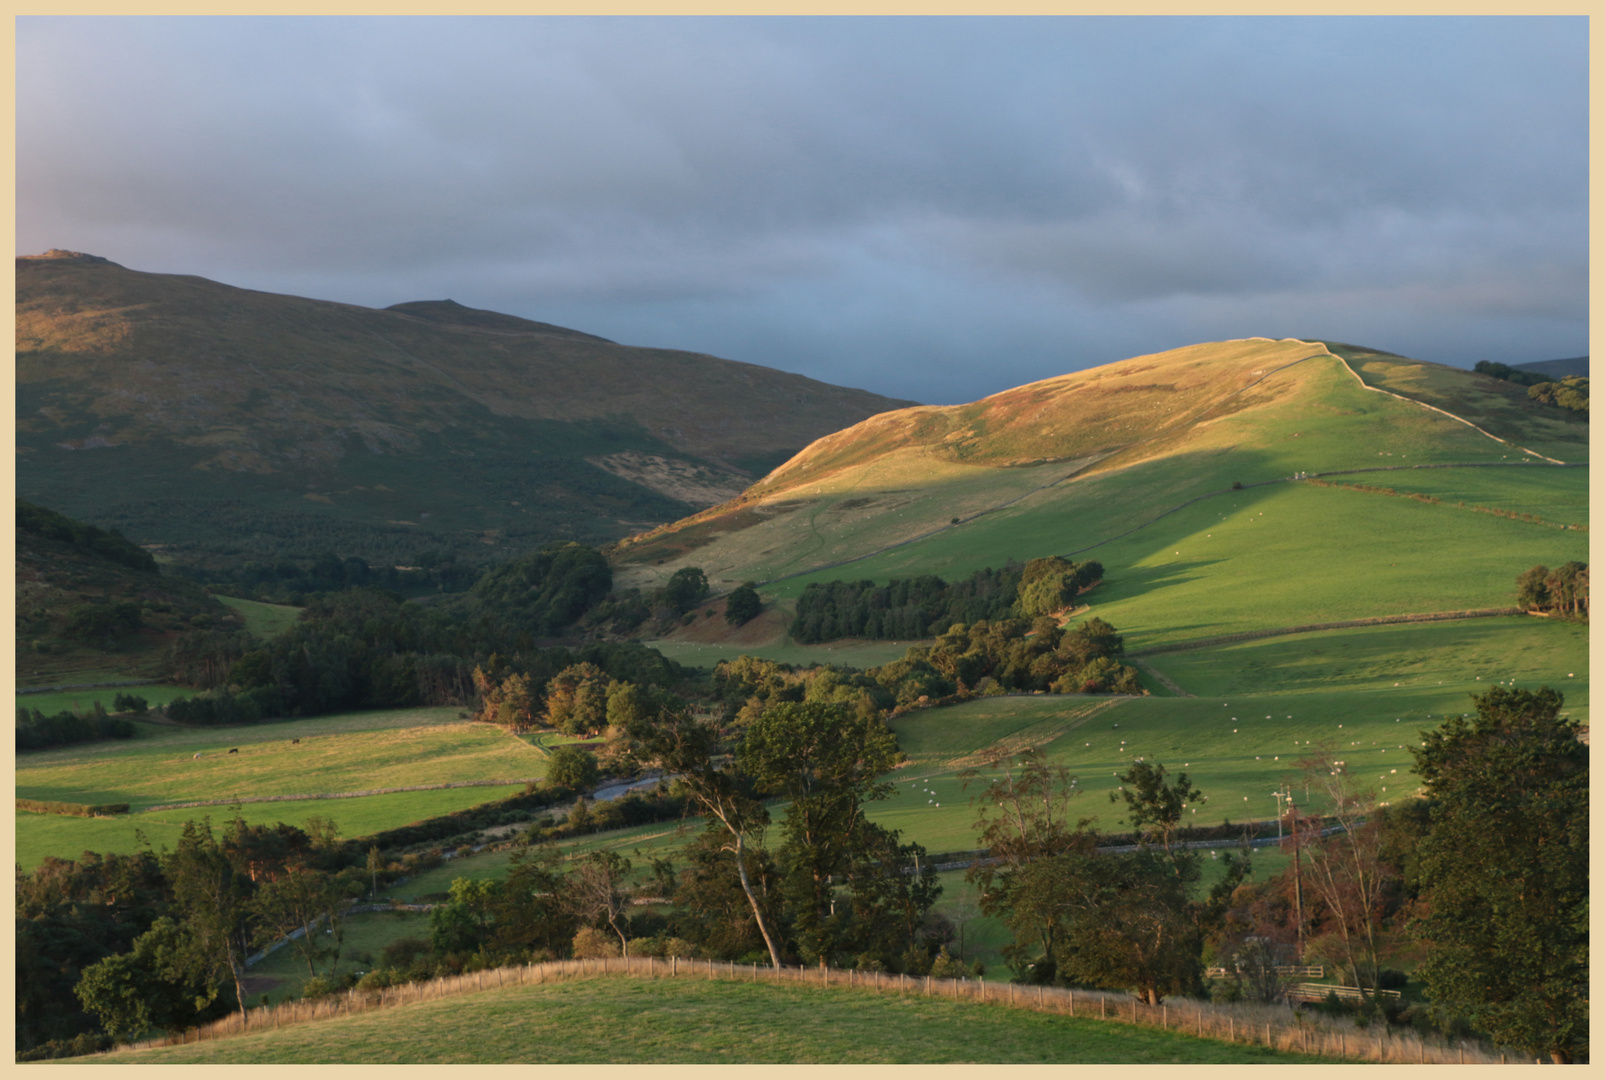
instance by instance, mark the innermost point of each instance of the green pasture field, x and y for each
(1463, 654)
(1236, 769)
(281, 974)
(163, 769)
(1261, 558)
(82, 701)
(619, 1020)
(264, 620)
(1557, 495)
(42, 835)
(341, 753)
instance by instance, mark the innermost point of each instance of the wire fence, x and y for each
(1277, 1027)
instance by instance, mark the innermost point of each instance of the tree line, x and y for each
(920, 607)
(1568, 392)
(1562, 591)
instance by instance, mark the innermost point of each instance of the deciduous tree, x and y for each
(1504, 871)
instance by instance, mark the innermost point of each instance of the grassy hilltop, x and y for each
(1072, 463)
(224, 423)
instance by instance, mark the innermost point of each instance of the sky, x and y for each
(932, 209)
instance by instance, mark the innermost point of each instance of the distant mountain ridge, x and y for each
(451, 313)
(1559, 369)
(227, 424)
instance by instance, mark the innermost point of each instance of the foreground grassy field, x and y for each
(616, 1020)
(345, 753)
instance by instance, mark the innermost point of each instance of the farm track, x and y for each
(1159, 677)
(1444, 412)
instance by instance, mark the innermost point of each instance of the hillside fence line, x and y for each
(1277, 1027)
(1376, 620)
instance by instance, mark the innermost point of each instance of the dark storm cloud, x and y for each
(934, 209)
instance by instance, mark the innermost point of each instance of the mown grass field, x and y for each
(42, 835)
(84, 700)
(345, 753)
(266, 621)
(617, 1020)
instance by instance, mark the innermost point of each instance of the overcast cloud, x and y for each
(933, 209)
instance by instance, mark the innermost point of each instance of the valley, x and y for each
(1274, 520)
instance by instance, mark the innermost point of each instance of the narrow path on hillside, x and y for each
(1414, 401)
(1158, 676)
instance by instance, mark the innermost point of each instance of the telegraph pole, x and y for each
(1298, 878)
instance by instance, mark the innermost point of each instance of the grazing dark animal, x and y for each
(235, 750)
(294, 742)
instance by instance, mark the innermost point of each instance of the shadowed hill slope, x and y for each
(288, 426)
(91, 601)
